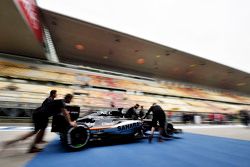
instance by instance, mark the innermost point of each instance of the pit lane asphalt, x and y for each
(16, 155)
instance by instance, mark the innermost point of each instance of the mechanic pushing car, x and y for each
(40, 120)
(52, 96)
(158, 116)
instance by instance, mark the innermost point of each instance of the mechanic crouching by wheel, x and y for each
(158, 116)
(40, 119)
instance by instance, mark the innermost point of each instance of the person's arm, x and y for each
(150, 109)
(142, 113)
(67, 116)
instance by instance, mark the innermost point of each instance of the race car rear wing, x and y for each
(74, 112)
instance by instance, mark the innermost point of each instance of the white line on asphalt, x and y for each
(208, 126)
(18, 128)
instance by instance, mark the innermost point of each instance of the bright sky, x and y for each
(218, 30)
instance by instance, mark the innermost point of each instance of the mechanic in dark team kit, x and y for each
(158, 116)
(52, 96)
(40, 119)
(141, 113)
(49, 99)
(131, 113)
(51, 109)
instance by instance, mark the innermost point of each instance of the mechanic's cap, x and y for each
(137, 105)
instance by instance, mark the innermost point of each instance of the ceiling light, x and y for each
(140, 61)
(193, 65)
(79, 47)
(176, 69)
(158, 56)
(105, 57)
(241, 84)
(190, 72)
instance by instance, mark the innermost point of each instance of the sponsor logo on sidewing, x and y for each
(128, 126)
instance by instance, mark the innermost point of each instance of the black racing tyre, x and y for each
(77, 137)
(169, 129)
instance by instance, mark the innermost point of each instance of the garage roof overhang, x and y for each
(82, 43)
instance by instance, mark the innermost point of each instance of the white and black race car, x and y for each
(100, 126)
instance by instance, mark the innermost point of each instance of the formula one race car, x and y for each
(100, 126)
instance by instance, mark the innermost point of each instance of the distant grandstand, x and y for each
(26, 82)
(100, 66)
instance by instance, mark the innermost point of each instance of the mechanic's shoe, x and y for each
(150, 139)
(35, 150)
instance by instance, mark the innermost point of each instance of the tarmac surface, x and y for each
(16, 155)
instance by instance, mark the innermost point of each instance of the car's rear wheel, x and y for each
(76, 138)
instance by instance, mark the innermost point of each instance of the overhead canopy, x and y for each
(82, 43)
(86, 44)
(16, 35)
